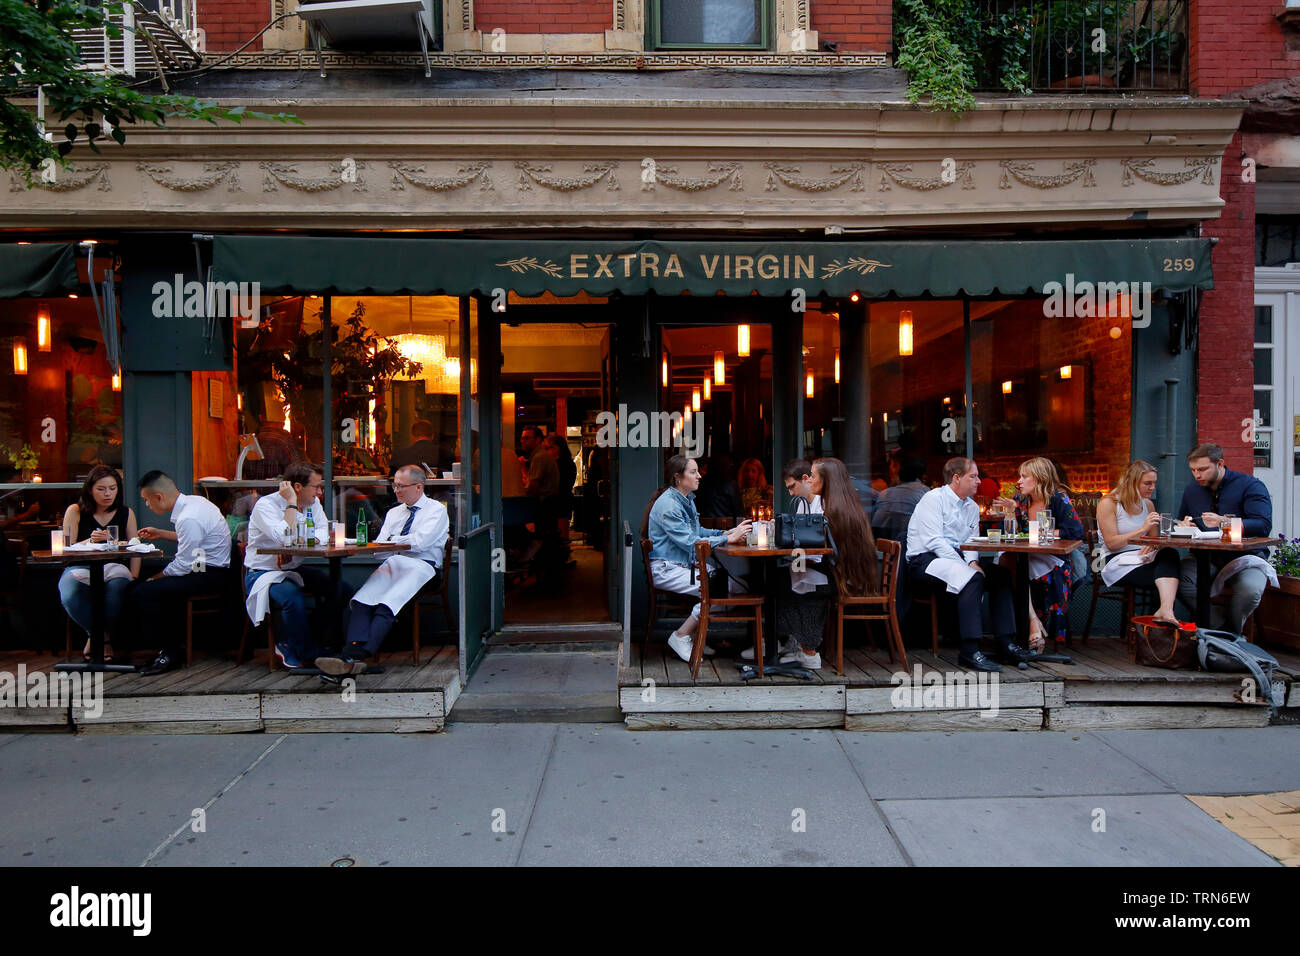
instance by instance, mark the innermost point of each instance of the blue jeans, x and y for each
(76, 599)
(289, 604)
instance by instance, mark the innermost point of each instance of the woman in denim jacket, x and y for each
(674, 527)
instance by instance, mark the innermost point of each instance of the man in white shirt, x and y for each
(420, 522)
(946, 518)
(201, 565)
(284, 581)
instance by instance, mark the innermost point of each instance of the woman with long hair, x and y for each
(1125, 515)
(99, 508)
(802, 613)
(755, 492)
(673, 527)
(1050, 578)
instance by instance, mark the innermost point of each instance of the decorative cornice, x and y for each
(464, 175)
(1023, 173)
(336, 60)
(1202, 166)
(793, 177)
(345, 173)
(592, 173)
(212, 175)
(717, 174)
(68, 180)
(897, 172)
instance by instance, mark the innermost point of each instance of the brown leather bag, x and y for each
(1160, 644)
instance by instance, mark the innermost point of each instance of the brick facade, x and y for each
(544, 16)
(229, 24)
(855, 26)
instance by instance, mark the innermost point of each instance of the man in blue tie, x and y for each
(417, 521)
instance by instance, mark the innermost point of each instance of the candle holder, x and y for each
(340, 540)
(56, 541)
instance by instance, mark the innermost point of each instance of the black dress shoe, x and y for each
(161, 665)
(1013, 654)
(978, 662)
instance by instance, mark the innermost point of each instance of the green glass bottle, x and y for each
(311, 531)
(363, 530)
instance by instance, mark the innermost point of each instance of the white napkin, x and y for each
(87, 545)
(1212, 533)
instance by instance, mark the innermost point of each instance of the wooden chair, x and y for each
(751, 606)
(933, 601)
(880, 607)
(441, 594)
(1126, 594)
(217, 603)
(654, 594)
(240, 656)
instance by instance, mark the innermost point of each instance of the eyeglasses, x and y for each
(397, 487)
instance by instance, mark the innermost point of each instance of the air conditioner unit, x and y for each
(385, 25)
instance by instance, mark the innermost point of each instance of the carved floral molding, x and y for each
(67, 180)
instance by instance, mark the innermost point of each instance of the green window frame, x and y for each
(655, 41)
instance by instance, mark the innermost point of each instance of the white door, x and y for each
(1277, 393)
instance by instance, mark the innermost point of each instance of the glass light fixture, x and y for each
(742, 341)
(663, 370)
(905, 332)
(884, 416)
(451, 363)
(1006, 387)
(854, 297)
(695, 400)
(1066, 371)
(117, 385)
(43, 330)
(719, 369)
(20, 357)
(808, 385)
(708, 389)
(837, 366)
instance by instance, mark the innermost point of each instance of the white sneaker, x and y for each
(708, 651)
(813, 663)
(788, 646)
(681, 645)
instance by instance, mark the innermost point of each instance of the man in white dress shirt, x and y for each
(946, 518)
(201, 565)
(418, 521)
(274, 517)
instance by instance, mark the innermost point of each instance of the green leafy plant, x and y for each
(25, 459)
(1286, 558)
(38, 50)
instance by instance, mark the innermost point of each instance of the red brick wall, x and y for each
(544, 16)
(856, 26)
(229, 24)
(1236, 45)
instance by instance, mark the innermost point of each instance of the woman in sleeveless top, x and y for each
(1124, 516)
(99, 508)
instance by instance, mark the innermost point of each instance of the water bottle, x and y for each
(363, 530)
(311, 531)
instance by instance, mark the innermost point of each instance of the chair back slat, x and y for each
(702, 552)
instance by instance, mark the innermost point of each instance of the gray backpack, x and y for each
(1233, 654)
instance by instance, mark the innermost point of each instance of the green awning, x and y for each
(39, 269)
(360, 265)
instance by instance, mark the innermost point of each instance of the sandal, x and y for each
(1036, 642)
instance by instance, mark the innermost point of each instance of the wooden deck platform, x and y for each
(1101, 689)
(214, 695)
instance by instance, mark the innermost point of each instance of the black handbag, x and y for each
(803, 529)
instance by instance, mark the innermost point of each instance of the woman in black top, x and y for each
(99, 508)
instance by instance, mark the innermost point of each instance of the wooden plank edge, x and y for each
(1009, 719)
(752, 720)
(376, 725)
(1138, 717)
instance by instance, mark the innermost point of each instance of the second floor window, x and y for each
(741, 24)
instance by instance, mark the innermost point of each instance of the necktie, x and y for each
(410, 519)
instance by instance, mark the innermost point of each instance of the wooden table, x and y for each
(745, 551)
(1022, 549)
(336, 556)
(95, 561)
(1201, 548)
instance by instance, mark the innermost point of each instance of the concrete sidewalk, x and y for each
(583, 794)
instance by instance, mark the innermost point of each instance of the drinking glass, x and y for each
(1009, 527)
(112, 537)
(1166, 525)
(995, 536)
(1046, 524)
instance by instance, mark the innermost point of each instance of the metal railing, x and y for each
(1080, 46)
(154, 34)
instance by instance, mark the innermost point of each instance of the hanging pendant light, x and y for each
(808, 385)
(719, 369)
(905, 332)
(1006, 387)
(451, 364)
(117, 384)
(20, 357)
(1066, 371)
(695, 400)
(43, 330)
(837, 366)
(663, 370)
(708, 389)
(742, 341)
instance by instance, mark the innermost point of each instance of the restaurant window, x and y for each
(60, 402)
(823, 423)
(917, 387)
(715, 24)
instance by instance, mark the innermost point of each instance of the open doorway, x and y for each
(555, 487)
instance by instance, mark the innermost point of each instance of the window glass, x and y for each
(711, 22)
(822, 421)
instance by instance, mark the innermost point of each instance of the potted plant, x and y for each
(1277, 619)
(26, 460)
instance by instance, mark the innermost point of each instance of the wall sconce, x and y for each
(43, 330)
(719, 369)
(837, 366)
(742, 340)
(663, 365)
(1006, 387)
(20, 357)
(117, 385)
(695, 400)
(905, 332)
(708, 389)
(808, 386)
(947, 399)
(1066, 371)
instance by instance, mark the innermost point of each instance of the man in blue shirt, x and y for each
(946, 518)
(1219, 491)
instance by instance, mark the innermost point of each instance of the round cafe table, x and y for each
(1201, 549)
(762, 557)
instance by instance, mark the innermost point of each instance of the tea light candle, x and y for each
(1235, 530)
(339, 535)
(56, 541)
(1033, 531)
(760, 535)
